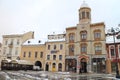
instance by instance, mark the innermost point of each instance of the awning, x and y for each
(6, 60)
(14, 61)
(25, 62)
(116, 60)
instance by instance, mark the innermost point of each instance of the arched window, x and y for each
(83, 35)
(112, 51)
(83, 15)
(71, 37)
(60, 67)
(98, 48)
(54, 57)
(71, 50)
(88, 15)
(54, 65)
(97, 34)
(83, 48)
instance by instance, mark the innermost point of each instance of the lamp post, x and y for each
(114, 32)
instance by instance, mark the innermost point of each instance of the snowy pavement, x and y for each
(43, 75)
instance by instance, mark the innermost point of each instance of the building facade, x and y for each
(85, 44)
(11, 47)
(55, 53)
(33, 52)
(0, 52)
(113, 54)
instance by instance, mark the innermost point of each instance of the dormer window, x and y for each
(28, 41)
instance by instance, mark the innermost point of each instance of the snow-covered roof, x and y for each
(110, 39)
(34, 42)
(55, 40)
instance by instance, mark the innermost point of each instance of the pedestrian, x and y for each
(80, 70)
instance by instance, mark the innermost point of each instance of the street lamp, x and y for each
(113, 32)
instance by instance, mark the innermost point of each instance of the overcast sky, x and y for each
(47, 16)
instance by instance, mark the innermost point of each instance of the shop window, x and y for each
(54, 65)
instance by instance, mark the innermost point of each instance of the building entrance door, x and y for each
(47, 67)
(83, 68)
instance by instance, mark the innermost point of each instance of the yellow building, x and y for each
(55, 53)
(85, 44)
(34, 52)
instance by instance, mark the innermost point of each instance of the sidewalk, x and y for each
(93, 74)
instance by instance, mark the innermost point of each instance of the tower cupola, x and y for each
(84, 13)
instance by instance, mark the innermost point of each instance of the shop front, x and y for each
(98, 64)
(71, 63)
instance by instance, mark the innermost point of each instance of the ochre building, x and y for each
(85, 44)
(34, 52)
(55, 53)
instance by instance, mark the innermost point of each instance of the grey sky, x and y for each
(47, 16)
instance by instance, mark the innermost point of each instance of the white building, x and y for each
(11, 45)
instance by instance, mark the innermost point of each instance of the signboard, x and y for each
(54, 51)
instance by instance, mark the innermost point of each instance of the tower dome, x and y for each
(83, 5)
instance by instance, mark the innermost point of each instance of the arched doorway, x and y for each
(83, 63)
(53, 67)
(60, 67)
(38, 63)
(47, 67)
